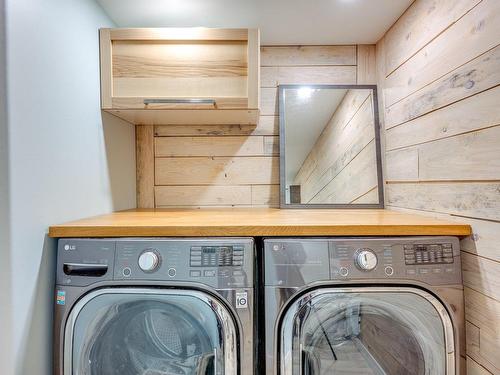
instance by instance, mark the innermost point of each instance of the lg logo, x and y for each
(69, 247)
(241, 300)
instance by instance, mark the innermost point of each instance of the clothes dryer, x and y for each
(378, 306)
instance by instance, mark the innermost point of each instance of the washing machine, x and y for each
(381, 306)
(154, 307)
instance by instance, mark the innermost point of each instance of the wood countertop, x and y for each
(257, 222)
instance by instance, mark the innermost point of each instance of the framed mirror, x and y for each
(330, 147)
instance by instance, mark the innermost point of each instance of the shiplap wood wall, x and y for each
(344, 152)
(238, 165)
(438, 72)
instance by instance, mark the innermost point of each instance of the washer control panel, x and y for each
(217, 262)
(217, 256)
(220, 263)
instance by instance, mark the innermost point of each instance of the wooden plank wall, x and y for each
(438, 72)
(238, 165)
(344, 152)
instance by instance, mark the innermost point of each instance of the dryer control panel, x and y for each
(431, 260)
(441, 253)
(299, 261)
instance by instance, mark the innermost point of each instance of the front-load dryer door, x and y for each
(150, 332)
(376, 331)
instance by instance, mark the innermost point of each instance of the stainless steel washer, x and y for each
(381, 306)
(154, 306)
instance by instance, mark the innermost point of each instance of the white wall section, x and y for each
(66, 161)
(5, 310)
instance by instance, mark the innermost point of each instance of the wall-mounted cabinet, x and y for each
(181, 75)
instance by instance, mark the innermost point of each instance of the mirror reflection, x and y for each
(328, 146)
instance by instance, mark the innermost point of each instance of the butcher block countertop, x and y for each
(257, 222)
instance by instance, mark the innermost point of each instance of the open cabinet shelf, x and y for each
(181, 75)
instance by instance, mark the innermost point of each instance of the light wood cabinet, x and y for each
(181, 75)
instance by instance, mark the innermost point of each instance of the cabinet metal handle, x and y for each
(180, 101)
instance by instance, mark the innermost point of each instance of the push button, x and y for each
(171, 272)
(127, 272)
(389, 271)
(209, 273)
(343, 271)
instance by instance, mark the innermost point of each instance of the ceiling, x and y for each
(280, 21)
(307, 111)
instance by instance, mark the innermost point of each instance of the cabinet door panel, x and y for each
(169, 69)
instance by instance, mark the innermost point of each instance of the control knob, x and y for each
(149, 261)
(366, 259)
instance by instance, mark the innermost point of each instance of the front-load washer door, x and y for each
(150, 332)
(376, 331)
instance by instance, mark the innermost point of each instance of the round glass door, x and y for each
(150, 332)
(366, 331)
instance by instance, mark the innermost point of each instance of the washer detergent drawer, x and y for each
(366, 330)
(131, 331)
